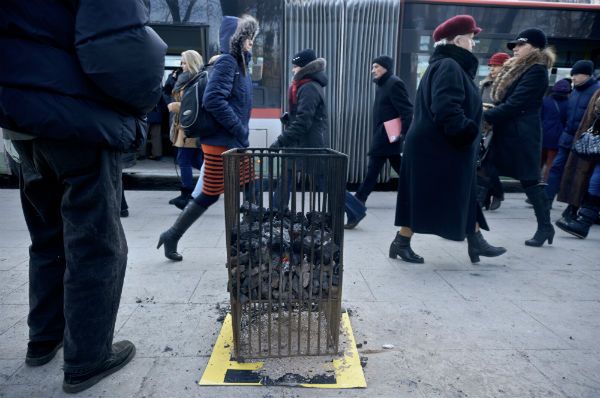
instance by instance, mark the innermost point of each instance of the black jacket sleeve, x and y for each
(308, 102)
(530, 85)
(447, 97)
(118, 51)
(402, 104)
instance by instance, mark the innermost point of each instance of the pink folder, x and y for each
(393, 128)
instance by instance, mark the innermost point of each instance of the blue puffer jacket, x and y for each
(228, 94)
(85, 71)
(578, 102)
(554, 117)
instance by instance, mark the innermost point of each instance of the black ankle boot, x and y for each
(401, 247)
(541, 206)
(171, 237)
(586, 216)
(182, 200)
(478, 246)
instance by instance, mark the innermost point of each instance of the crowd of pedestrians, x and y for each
(70, 144)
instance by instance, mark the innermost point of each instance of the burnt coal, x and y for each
(283, 256)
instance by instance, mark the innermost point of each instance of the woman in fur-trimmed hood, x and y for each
(516, 149)
(228, 98)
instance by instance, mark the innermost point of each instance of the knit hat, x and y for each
(533, 36)
(304, 57)
(498, 59)
(385, 62)
(583, 67)
(457, 25)
(562, 87)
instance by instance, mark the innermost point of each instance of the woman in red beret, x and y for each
(445, 131)
(516, 149)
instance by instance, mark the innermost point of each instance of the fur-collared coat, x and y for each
(518, 91)
(440, 150)
(576, 177)
(307, 127)
(228, 93)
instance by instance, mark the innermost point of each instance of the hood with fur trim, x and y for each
(247, 28)
(515, 67)
(313, 70)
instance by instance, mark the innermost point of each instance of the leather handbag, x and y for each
(587, 146)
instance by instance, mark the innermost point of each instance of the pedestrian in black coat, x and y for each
(516, 149)
(441, 148)
(391, 102)
(78, 77)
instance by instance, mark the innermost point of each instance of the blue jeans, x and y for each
(556, 172)
(186, 159)
(594, 187)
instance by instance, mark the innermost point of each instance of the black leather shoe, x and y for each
(495, 204)
(41, 352)
(401, 247)
(124, 213)
(122, 353)
(478, 246)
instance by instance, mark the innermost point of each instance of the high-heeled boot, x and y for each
(478, 246)
(401, 247)
(171, 236)
(541, 206)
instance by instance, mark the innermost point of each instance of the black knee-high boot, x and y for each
(171, 236)
(541, 206)
(401, 247)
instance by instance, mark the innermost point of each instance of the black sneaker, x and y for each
(41, 352)
(122, 353)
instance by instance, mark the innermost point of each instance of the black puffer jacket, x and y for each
(85, 71)
(307, 127)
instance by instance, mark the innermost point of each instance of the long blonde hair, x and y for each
(193, 60)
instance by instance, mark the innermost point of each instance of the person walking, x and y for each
(73, 99)
(391, 104)
(554, 119)
(228, 98)
(517, 146)
(445, 128)
(491, 189)
(584, 86)
(189, 153)
(306, 125)
(581, 180)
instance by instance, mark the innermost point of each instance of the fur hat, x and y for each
(583, 67)
(533, 36)
(457, 25)
(385, 62)
(498, 59)
(304, 57)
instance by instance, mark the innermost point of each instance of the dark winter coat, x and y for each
(85, 71)
(228, 93)
(578, 102)
(518, 91)
(391, 102)
(307, 126)
(577, 173)
(554, 118)
(437, 192)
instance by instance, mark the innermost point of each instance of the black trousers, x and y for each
(373, 170)
(71, 197)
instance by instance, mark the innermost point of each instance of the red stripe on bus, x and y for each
(265, 113)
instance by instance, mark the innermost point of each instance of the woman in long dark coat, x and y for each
(516, 149)
(441, 148)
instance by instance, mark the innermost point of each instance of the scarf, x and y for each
(293, 91)
(515, 67)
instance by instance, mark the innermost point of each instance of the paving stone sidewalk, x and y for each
(526, 324)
